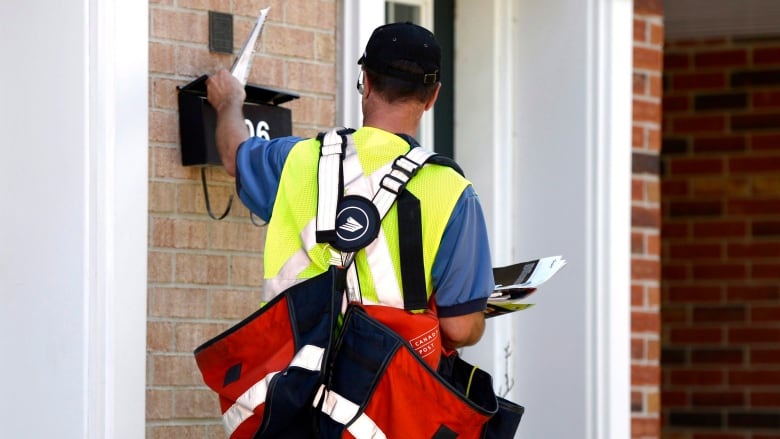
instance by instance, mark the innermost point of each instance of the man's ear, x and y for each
(366, 85)
(433, 98)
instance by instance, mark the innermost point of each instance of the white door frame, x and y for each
(358, 19)
(543, 128)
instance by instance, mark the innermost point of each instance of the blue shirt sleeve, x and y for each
(462, 270)
(259, 165)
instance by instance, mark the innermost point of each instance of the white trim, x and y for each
(609, 218)
(117, 182)
(358, 19)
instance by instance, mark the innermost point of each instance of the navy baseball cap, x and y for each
(403, 42)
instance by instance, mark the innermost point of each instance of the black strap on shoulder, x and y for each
(443, 160)
(411, 251)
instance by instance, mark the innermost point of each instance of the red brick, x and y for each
(676, 104)
(765, 229)
(698, 81)
(724, 271)
(721, 314)
(720, 229)
(695, 251)
(645, 217)
(679, 209)
(765, 99)
(646, 58)
(753, 207)
(674, 314)
(721, 187)
(648, 7)
(765, 142)
(638, 136)
(766, 271)
(754, 377)
(766, 55)
(765, 314)
(721, 436)
(720, 144)
(653, 247)
(674, 188)
(644, 269)
(697, 166)
(753, 165)
(696, 336)
(645, 375)
(671, 398)
(640, 30)
(637, 349)
(764, 356)
(757, 293)
(645, 427)
(763, 121)
(645, 322)
(693, 377)
(637, 243)
(672, 272)
(674, 230)
(721, 58)
(656, 34)
(717, 399)
(695, 293)
(676, 61)
(765, 399)
(717, 356)
(656, 86)
(698, 124)
(754, 250)
(646, 111)
(754, 335)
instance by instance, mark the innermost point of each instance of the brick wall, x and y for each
(721, 239)
(204, 275)
(646, 220)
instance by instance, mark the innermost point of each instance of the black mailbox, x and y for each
(198, 120)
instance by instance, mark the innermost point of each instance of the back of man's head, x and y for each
(403, 61)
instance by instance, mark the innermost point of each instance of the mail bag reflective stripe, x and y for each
(267, 368)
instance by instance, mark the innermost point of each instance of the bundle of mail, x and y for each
(514, 283)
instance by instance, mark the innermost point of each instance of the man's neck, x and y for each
(399, 119)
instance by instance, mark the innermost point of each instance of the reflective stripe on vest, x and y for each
(343, 411)
(309, 357)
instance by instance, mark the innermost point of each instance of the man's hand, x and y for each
(226, 94)
(223, 89)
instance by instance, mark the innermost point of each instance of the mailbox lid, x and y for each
(254, 93)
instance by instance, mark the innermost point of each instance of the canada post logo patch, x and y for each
(357, 223)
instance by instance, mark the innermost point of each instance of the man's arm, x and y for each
(463, 274)
(460, 331)
(226, 94)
